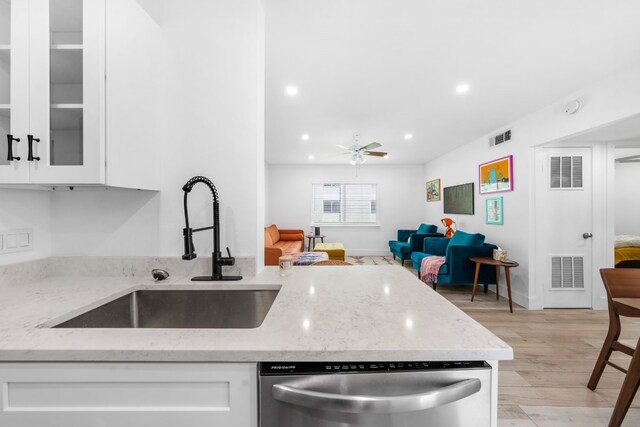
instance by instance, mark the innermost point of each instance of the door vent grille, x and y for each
(500, 138)
(565, 172)
(567, 272)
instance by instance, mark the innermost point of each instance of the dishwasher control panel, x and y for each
(280, 368)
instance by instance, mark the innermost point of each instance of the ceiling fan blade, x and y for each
(375, 153)
(372, 146)
(343, 147)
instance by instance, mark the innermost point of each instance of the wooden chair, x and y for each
(623, 297)
(331, 262)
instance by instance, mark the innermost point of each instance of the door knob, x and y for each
(30, 157)
(587, 235)
(10, 156)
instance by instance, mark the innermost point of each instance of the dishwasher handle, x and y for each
(359, 404)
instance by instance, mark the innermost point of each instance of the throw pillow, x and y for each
(427, 228)
(460, 238)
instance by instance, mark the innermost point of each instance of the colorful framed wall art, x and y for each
(494, 211)
(496, 176)
(433, 190)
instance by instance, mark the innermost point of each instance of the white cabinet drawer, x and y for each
(128, 394)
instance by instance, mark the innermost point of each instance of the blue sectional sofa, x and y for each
(457, 250)
(411, 240)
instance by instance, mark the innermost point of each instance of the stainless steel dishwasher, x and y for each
(384, 394)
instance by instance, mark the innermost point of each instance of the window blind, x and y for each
(339, 203)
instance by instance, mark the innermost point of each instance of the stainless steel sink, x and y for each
(180, 309)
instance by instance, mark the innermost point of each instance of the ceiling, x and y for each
(384, 68)
(625, 133)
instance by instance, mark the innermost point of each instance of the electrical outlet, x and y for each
(18, 240)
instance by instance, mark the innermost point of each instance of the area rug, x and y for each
(370, 260)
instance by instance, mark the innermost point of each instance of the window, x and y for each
(344, 203)
(331, 206)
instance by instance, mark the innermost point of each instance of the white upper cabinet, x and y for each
(55, 87)
(67, 91)
(14, 91)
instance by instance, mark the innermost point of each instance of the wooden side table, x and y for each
(490, 261)
(313, 237)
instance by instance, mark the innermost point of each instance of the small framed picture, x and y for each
(496, 176)
(433, 190)
(494, 211)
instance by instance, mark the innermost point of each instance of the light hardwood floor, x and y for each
(555, 350)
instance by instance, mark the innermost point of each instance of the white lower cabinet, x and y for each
(128, 394)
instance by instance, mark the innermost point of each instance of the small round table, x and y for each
(490, 261)
(313, 237)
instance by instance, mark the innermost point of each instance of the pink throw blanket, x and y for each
(429, 268)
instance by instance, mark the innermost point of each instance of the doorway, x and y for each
(626, 205)
(565, 216)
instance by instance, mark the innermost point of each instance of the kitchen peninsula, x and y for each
(323, 314)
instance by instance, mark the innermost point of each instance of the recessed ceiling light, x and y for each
(462, 88)
(291, 90)
(310, 157)
(305, 137)
(408, 136)
(386, 156)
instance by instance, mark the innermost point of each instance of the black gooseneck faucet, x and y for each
(217, 260)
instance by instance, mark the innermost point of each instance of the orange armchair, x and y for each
(281, 242)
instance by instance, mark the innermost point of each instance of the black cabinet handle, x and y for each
(10, 140)
(30, 157)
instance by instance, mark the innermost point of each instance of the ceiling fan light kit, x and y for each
(358, 152)
(357, 159)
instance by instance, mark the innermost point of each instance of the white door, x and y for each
(14, 91)
(67, 81)
(563, 226)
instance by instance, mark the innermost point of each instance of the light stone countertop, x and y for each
(373, 313)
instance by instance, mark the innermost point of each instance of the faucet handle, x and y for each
(227, 260)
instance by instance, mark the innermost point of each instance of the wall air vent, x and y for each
(567, 272)
(500, 138)
(565, 172)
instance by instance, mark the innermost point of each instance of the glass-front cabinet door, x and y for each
(14, 91)
(67, 86)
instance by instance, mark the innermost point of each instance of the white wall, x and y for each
(26, 209)
(461, 167)
(604, 102)
(627, 205)
(108, 223)
(401, 200)
(212, 107)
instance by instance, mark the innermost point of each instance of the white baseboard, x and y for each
(517, 297)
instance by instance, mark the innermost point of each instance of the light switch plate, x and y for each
(17, 240)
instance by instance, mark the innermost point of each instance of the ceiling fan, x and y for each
(358, 152)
